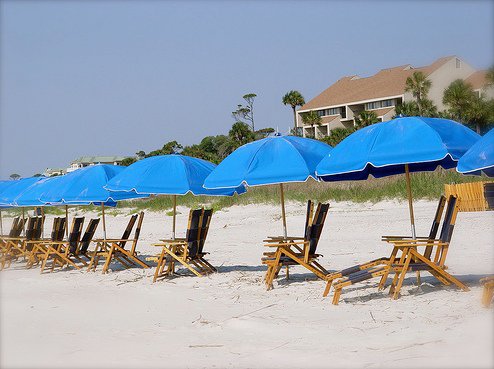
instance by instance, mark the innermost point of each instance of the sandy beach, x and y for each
(78, 319)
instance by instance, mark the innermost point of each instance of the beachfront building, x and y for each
(341, 102)
(85, 161)
(49, 172)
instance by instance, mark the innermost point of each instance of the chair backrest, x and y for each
(128, 231)
(88, 235)
(203, 233)
(308, 215)
(449, 219)
(30, 229)
(62, 223)
(313, 232)
(137, 233)
(54, 229)
(193, 231)
(16, 228)
(75, 233)
(435, 225)
(38, 228)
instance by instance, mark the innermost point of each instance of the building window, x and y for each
(458, 63)
(379, 104)
(331, 111)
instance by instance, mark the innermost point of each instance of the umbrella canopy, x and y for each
(10, 192)
(480, 158)
(401, 145)
(85, 186)
(272, 160)
(168, 175)
(31, 195)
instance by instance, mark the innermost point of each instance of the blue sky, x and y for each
(114, 77)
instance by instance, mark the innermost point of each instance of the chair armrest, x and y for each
(183, 239)
(110, 240)
(418, 243)
(286, 244)
(387, 238)
(281, 238)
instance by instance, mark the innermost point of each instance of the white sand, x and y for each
(79, 319)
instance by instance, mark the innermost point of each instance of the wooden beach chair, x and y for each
(297, 250)
(15, 232)
(59, 251)
(187, 251)
(114, 249)
(406, 257)
(82, 250)
(17, 246)
(385, 260)
(36, 248)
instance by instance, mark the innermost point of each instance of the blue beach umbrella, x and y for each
(8, 193)
(401, 145)
(272, 160)
(479, 158)
(85, 186)
(3, 186)
(168, 175)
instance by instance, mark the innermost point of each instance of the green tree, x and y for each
(294, 99)
(336, 135)
(246, 112)
(457, 97)
(128, 161)
(419, 85)
(15, 176)
(407, 109)
(37, 175)
(140, 155)
(312, 118)
(172, 147)
(490, 76)
(263, 133)
(479, 113)
(365, 118)
(240, 134)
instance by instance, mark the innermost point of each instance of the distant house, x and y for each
(49, 172)
(341, 102)
(85, 161)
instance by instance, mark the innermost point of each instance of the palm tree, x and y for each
(458, 97)
(294, 99)
(478, 113)
(365, 118)
(15, 176)
(312, 118)
(418, 85)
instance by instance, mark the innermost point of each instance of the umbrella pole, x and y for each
(67, 221)
(23, 223)
(1, 222)
(410, 200)
(104, 223)
(174, 215)
(42, 222)
(283, 210)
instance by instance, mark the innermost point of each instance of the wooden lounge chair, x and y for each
(36, 248)
(59, 251)
(406, 257)
(297, 250)
(16, 246)
(385, 260)
(82, 248)
(15, 232)
(187, 251)
(114, 249)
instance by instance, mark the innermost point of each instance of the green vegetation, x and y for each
(427, 185)
(294, 99)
